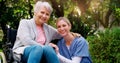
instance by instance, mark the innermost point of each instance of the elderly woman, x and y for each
(71, 48)
(33, 36)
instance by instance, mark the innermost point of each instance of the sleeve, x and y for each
(65, 60)
(23, 34)
(55, 33)
(81, 48)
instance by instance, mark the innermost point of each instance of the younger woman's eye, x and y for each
(58, 26)
(64, 25)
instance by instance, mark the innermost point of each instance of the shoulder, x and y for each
(80, 40)
(60, 41)
(49, 27)
(26, 21)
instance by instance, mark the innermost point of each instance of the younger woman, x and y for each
(71, 48)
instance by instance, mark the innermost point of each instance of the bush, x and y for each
(105, 46)
(78, 25)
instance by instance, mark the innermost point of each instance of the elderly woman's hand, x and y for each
(75, 34)
(54, 46)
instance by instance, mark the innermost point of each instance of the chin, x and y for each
(63, 35)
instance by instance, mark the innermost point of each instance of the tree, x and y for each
(102, 13)
(95, 13)
(11, 13)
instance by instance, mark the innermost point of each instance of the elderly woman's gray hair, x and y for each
(40, 4)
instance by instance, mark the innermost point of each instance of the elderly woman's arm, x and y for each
(23, 34)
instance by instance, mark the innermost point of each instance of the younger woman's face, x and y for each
(63, 28)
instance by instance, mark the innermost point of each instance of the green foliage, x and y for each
(78, 26)
(105, 46)
(115, 7)
(13, 11)
(117, 13)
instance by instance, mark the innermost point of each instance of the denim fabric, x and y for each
(39, 54)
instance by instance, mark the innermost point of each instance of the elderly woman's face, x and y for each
(42, 16)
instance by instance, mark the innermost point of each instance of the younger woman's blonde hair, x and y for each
(64, 19)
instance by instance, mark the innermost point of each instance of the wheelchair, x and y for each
(7, 56)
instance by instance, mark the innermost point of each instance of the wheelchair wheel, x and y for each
(2, 58)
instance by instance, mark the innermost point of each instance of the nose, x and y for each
(44, 15)
(61, 28)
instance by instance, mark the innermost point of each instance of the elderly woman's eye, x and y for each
(64, 25)
(47, 14)
(42, 12)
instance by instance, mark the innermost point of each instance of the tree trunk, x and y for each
(83, 5)
(30, 9)
(109, 12)
(58, 7)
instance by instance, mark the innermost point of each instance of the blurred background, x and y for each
(96, 20)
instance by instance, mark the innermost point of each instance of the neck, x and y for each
(38, 24)
(69, 38)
